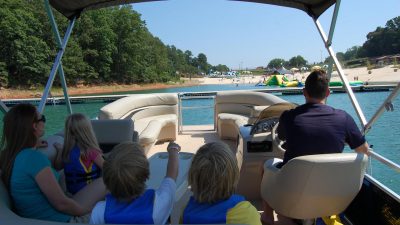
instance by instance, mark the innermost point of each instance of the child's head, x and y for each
(125, 171)
(214, 173)
(78, 131)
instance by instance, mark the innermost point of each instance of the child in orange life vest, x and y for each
(213, 176)
(125, 172)
(81, 156)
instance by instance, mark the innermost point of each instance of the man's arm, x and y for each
(363, 148)
(281, 129)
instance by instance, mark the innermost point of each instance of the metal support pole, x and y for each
(386, 103)
(56, 65)
(59, 44)
(180, 114)
(330, 68)
(333, 22)
(346, 84)
(3, 107)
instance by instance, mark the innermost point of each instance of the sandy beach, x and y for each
(380, 75)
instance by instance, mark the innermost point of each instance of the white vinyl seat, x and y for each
(313, 186)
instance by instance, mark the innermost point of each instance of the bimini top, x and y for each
(71, 8)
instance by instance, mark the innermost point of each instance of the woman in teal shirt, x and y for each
(28, 175)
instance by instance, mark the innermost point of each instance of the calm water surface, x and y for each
(384, 135)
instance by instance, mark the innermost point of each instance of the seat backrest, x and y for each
(238, 102)
(126, 107)
(315, 185)
(112, 132)
(275, 110)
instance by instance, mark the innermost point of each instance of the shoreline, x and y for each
(384, 75)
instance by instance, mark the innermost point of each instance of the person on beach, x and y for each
(28, 176)
(125, 173)
(213, 177)
(316, 128)
(80, 157)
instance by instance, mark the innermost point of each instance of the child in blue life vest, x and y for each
(81, 156)
(213, 176)
(125, 172)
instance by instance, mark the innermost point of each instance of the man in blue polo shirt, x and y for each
(316, 128)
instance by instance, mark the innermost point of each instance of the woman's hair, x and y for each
(78, 131)
(214, 173)
(125, 171)
(18, 133)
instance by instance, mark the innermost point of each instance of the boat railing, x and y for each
(192, 96)
(384, 160)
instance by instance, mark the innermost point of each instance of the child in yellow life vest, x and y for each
(81, 156)
(213, 176)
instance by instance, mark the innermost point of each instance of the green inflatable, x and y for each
(340, 83)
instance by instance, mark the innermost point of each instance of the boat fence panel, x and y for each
(193, 96)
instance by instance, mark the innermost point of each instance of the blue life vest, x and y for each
(138, 211)
(196, 213)
(77, 176)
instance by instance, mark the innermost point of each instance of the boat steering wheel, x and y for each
(275, 137)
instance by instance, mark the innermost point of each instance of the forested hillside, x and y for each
(382, 41)
(107, 45)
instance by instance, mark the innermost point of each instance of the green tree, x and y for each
(276, 63)
(24, 52)
(220, 68)
(383, 41)
(3, 75)
(297, 61)
(202, 62)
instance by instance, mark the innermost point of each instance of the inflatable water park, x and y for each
(283, 81)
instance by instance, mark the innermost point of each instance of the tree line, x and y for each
(382, 41)
(107, 45)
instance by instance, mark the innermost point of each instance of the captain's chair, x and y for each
(313, 186)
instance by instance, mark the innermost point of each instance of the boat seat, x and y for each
(112, 132)
(237, 108)
(230, 124)
(155, 116)
(313, 186)
(108, 134)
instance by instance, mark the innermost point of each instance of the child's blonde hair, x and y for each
(125, 171)
(78, 131)
(214, 173)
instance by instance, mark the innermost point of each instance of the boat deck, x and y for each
(192, 138)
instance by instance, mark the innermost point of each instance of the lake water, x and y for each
(384, 135)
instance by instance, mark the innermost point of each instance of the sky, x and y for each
(246, 35)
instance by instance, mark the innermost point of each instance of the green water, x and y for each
(384, 135)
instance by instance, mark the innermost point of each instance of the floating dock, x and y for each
(111, 98)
